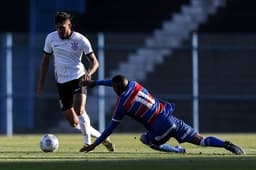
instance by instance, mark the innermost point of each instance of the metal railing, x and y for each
(19, 92)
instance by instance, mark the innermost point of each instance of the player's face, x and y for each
(119, 87)
(64, 28)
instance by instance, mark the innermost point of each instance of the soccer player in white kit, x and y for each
(67, 47)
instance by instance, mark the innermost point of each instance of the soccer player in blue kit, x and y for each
(156, 115)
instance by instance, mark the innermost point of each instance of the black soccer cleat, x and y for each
(83, 149)
(234, 148)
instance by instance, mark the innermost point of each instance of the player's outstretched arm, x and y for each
(87, 83)
(112, 125)
(93, 83)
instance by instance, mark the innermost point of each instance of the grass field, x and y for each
(23, 152)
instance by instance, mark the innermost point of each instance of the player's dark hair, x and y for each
(120, 82)
(62, 16)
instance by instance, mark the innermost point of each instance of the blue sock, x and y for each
(167, 148)
(213, 141)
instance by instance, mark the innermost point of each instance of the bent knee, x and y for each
(144, 138)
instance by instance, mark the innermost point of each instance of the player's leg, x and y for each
(216, 142)
(84, 120)
(71, 117)
(66, 103)
(160, 132)
(213, 141)
(146, 139)
(186, 133)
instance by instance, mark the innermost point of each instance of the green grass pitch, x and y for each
(23, 152)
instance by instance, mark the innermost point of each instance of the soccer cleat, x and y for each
(180, 149)
(168, 148)
(234, 148)
(83, 149)
(109, 145)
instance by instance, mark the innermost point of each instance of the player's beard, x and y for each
(64, 35)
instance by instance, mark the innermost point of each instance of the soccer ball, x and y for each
(49, 143)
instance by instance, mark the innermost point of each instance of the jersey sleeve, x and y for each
(114, 122)
(87, 47)
(103, 83)
(47, 45)
(119, 111)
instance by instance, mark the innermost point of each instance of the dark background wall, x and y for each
(133, 18)
(236, 17)
(14, 16)
(124, 16)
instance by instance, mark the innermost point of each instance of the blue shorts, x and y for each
(183, 131)
(167, 126)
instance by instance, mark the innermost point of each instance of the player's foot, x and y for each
(109, 145)
(234, 148)
(180, 149)
(83, 149)
(168, 148)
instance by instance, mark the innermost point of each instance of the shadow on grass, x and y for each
(185, 162)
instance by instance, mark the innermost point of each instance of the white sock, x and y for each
(95, 133)
(78, 127)
(85, 127)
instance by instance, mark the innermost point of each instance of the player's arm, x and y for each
(92, 83)
(112, 125)
(43, 71)
(93, 66)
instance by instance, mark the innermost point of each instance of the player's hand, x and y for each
(88, 76)
(87, 83)
(90, 148)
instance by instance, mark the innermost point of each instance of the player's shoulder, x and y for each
(52, 36)
(134, 83)
(78, 35)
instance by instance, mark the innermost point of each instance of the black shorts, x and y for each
(66, 92)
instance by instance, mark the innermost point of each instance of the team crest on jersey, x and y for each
(74, 45)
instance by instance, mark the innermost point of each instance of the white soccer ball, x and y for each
(49, 143)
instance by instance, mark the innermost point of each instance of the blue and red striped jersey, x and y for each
(138, 103)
